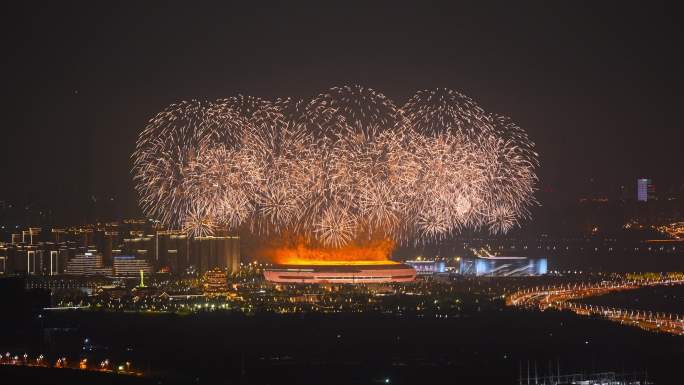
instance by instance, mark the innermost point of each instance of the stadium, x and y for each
(365, 272)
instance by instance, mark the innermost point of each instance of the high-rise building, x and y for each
(129, 265)
(86, 236)
(178, 252)
(216, 251)
(108, 241)
(54, 263)
(645, 190)
(87, 263)
(33, 261)
(142, 246)
(31, 235)
(59, 235)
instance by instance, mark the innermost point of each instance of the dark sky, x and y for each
(597, 86)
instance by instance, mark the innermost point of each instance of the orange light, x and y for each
(375, 252)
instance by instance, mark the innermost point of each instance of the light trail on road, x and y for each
(561, 298)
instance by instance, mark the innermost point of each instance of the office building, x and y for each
(88, 263)
(210, 252)
(129, 265)
(427, 267)
(645, 190)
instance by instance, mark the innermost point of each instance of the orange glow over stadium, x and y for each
(373, 253)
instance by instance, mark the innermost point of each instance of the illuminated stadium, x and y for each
(349, 272)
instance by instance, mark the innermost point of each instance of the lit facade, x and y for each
(211, 252)
(129, 265)
(645, 190)
(87, 264)
(427, 267)
(215, 282)
(503, 266)
(391, 272)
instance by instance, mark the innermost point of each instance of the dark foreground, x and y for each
(35, 375)
(486, 347)
(665, 299)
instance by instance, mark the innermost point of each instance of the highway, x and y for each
(563, 297)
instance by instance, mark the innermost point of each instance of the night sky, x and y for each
(597, 86)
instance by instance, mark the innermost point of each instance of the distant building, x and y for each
(87, 264)
(210, 252)
(645, 190)
(173, 248)
(23, 259)
(142, 246)
(129, 265)
(503, 266)
(44, 258)
(371, 273)
(215, 281)
(31, 235)
(427, 267)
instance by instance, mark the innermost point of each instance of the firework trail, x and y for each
(347, 166)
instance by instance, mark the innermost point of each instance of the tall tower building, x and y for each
(107, 248)
(209, 252)
(235, 254)
(178, 252)
(645, 190)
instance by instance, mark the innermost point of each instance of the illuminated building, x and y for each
(215, 281)
(135, 224)
(342, 273)
(45, 258)
(86, 236)
(645, 190)
(34, 261)
(141, 246)
(502, 266)
(88, 263)
(59, 235)
(174, 250)
(30, 235)
(215, 251)
(105, 242)
(54, 264)
(177, 252)
(427, 267)
(24, 259)
(129, 265)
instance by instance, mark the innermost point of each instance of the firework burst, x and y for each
(347, 166)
